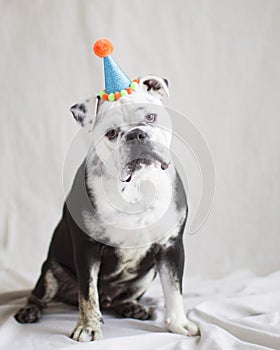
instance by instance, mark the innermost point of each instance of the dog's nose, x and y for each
(136, 134)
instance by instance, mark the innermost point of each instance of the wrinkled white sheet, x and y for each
(238, 312)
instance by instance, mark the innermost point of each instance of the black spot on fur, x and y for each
(29, 314)
(173, 256)
(148, 261)
(79, 118)
(82, 107)
(152, 84)
(79, 111)
(166, 81)
(133, 310)
(109, 261)
(180, 195)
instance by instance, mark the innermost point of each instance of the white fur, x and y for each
(175, 317)
(89, 323)
(130, 212)
(51, 289)
(127, 113)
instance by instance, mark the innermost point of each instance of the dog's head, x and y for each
(133, 132)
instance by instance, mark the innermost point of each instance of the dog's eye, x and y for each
(150, 118)
(111, 134)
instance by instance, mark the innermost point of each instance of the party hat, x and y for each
(117, 84)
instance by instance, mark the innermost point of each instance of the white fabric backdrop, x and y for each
(222, 61)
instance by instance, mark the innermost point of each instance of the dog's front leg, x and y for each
(89, 323)
(87, 266)
(170, 265)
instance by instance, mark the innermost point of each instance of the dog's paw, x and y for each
(29, 314)
(133, 310)
(184, 327)
(85, 333)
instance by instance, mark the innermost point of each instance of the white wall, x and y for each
(222, 61)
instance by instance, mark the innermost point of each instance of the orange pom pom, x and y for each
(103, 48)
(117, 95)
(105, 97)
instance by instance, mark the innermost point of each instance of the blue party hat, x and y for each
(115, 78)
(117, 84)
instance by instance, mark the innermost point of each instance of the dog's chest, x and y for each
(120, 265)
(146, 195)
(133, 214)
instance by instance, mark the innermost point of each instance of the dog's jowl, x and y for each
(124, 218)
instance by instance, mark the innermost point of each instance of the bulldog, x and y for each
(123, 220)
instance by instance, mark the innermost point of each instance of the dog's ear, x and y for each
(155, 85)
(85, 112)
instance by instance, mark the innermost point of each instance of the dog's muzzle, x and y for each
(140, 151)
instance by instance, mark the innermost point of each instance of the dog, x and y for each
(116, 232)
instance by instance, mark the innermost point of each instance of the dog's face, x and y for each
(131, 133)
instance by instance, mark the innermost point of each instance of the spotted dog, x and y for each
(117, 231)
